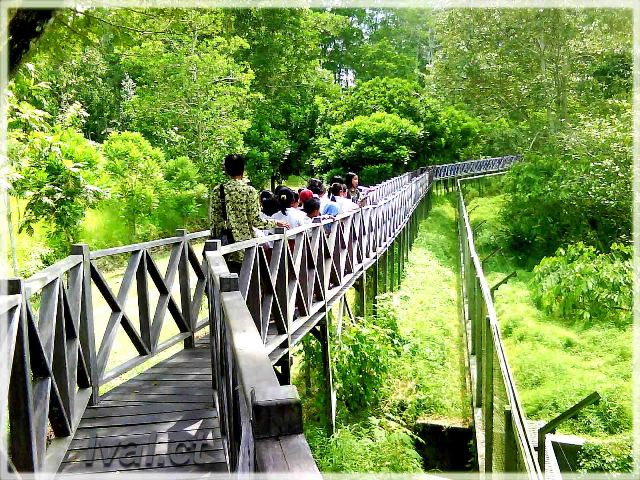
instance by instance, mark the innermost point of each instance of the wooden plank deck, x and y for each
(162, 420)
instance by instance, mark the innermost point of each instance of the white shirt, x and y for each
(292, 217)
(346, 205)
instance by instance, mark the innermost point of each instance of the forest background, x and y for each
(119, 119)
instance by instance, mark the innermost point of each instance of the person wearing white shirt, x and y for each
(286, 212)
(339, 194)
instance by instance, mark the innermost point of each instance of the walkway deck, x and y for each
(163, 419)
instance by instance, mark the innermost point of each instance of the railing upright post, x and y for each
(487, 407)
(87, 332)
(185, 287)
(282, 293)
(479, 328)
(510, 445)
(214, 314)
(22, 439)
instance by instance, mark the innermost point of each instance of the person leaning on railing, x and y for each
(235, 207)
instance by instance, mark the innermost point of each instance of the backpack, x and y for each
(226, 235)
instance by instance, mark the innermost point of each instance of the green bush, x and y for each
(374, 445)
(581, 282)
(606, 457)
(362, 358)
(380, 138)
(54, 173)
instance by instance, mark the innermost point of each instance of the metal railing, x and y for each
(504, 444)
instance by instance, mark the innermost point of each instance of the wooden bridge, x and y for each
(224, 402)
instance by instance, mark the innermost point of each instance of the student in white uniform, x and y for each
(338, 195)
(293, 216)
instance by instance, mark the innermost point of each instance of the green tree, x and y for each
(54, 174)
(134, 170)
(288, 79)
(378, 146)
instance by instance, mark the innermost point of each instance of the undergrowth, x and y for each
(389, 371)
(556, 355)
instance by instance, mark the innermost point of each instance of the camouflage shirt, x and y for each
(243, 213)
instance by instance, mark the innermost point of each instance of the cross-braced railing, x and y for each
(286, 286)
(77, 325)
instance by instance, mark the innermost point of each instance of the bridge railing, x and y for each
(57, 361)
(506, 444)
(287, 284)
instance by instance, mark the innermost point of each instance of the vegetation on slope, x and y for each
(390, 371)
(559, 357)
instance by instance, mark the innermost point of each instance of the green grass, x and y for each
(556, 362)
(429, 378)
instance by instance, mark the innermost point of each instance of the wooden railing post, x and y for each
(510, 445)
(87, 332)
(479, 329)
(214, 313)
(185, 288)
(282, 294)
(22, 437)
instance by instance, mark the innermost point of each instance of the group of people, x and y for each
(315, 201)
(237, 213)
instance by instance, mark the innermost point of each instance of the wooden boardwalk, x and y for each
(225, 407)
(163, 419)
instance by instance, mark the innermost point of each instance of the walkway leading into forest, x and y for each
(224, 402)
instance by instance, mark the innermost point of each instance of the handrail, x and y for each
(485, 342)
(57, 309)
(280, 296)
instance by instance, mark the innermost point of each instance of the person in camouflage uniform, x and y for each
(243, 209)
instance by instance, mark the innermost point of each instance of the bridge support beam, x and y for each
(361, 296)
(375, 286)
(330, 394)
(392, 262)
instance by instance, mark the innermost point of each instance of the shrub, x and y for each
(579, 281)
(374, 445)
(54, 175)
(605, 457)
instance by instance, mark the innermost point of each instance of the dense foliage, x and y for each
(317, 92)
(580, 282)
